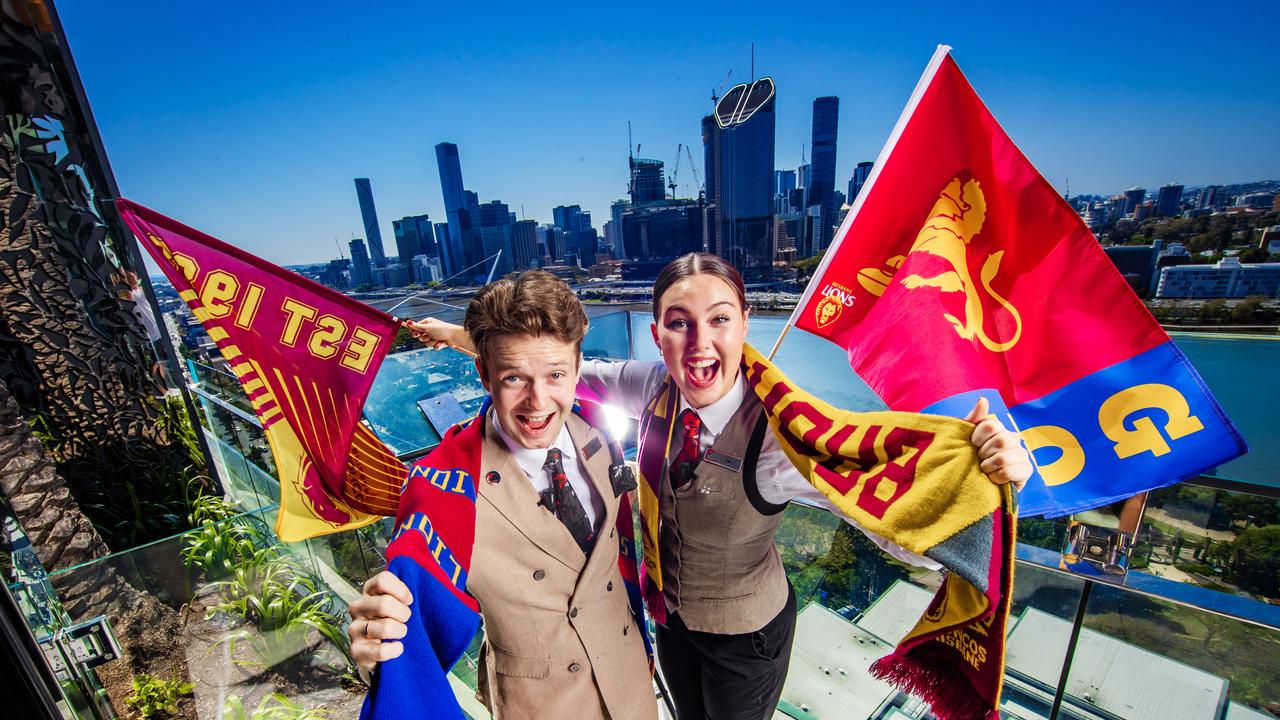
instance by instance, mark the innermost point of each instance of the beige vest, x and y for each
(560, 641)
(720, 569)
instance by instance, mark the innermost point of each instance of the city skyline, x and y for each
(267, 140)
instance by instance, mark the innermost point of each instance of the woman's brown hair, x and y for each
(535, 303)
(698, 263)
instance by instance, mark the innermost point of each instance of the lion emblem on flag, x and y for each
(956, 218)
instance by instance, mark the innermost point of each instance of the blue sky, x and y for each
(250, 123)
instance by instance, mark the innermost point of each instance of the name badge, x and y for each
(592, 448)
(724, 460)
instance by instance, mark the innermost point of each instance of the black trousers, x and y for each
(727, 677)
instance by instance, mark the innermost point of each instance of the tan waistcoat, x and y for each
(560, 641)
(720, 569)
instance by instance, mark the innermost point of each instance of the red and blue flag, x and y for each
(961, 272)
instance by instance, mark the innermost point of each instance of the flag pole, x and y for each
(925, 79)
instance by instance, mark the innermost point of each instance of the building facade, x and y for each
(738, 142)
(1228, 278)
(860, 175)
(822, 181)
(414, 236)
(648, 181)
(456, 254)
(1169, 201)
(361, 270)
(369, 214)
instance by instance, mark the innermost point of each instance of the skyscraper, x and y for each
(1169, 200)
(455, 253)
(495, 234)
(738, 140)
(364, 193)
(616, 209)
(442, 241)
(860, 175)
(361, 272)
(822, 186)
(648, 183)
(524, 244)
(414, 236)
(784, 181)
(569, 219)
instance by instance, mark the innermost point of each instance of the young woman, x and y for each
(725, 641)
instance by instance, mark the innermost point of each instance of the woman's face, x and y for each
(699, 330)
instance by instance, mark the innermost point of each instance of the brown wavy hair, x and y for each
(536, 303)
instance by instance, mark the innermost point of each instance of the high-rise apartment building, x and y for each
(1169, 200)
(1210, 196)
(1133, 197)
(368, 213)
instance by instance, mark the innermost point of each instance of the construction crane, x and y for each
(697, 183)
(715, 94)
(671, 181)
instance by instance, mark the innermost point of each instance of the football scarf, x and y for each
(431, 553)
(912, 479)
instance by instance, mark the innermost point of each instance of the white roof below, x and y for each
(827, 642)
(1112, 675)
(895, 612)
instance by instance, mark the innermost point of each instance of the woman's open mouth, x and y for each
(534, 424)
(702, 373)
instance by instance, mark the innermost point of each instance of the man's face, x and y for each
(532, 381)
(700, 333)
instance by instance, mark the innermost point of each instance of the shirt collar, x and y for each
(716, 416)
(531, 460)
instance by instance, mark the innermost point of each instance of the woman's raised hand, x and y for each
(1004, 458)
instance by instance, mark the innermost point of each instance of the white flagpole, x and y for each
(925, 80)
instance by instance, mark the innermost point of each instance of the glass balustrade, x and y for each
(1193, 632)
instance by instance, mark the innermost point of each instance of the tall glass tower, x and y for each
(822, 181)
(739, 144)
(454, 255)
(364, 193)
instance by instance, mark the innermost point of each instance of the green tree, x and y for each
(1213, 310)
(1246, 310)
(1254, 255)
(1252, 509)
(1255, 558)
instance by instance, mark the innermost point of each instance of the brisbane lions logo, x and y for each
(942, 247)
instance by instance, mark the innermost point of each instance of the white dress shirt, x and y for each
(531, 460)
(629, 385)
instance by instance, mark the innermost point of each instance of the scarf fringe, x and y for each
(948, 697)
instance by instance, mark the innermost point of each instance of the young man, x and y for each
(560, 638)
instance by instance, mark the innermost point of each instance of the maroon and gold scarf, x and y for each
(912, 479)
